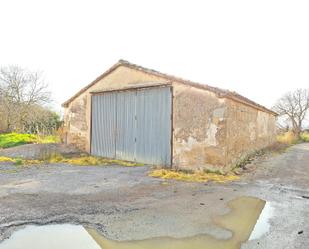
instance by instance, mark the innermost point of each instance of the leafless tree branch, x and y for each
(294, 105)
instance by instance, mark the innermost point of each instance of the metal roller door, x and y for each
(133, 125)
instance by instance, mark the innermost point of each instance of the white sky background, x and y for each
(258, 48)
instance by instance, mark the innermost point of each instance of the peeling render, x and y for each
(211, 135)
(199, 137)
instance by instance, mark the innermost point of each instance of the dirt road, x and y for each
(125, 204)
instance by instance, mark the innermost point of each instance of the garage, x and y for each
(133, 125)
(138, 114)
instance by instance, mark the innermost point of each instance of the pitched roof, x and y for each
(221, 93)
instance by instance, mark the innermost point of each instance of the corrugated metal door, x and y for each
(126, 125)
(153, 138)
(103, 122)
(142, 121)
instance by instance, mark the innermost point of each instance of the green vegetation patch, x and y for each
(8, 140)
(305, 136)
(13, 139)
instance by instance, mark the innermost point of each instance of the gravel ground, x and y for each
(124, 203)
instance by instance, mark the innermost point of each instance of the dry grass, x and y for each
(19, 161)
(193, 176)
(7, 159)
(80, 161)
(287, 138)
(90, 161)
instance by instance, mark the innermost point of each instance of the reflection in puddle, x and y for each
(262, 225)
(64, 236)
(241, 221)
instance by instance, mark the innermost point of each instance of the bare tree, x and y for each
(42, 121)
(20, 89)
(295, 106)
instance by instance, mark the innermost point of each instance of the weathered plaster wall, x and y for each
(248, 129)
(199, 140)
(77, 114)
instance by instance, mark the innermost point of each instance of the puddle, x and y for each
(247, 220)
(262, 225)
(64, 236)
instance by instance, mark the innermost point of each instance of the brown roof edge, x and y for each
(222, 93)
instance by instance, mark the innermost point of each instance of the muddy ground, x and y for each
(125, 204)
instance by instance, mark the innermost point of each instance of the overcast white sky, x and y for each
(257, 48)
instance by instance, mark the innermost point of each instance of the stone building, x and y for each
(138, 114)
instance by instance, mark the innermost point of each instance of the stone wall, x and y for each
(76, 126)
(248, 130)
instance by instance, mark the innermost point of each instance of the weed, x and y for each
(19, 161)
(209, 171)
